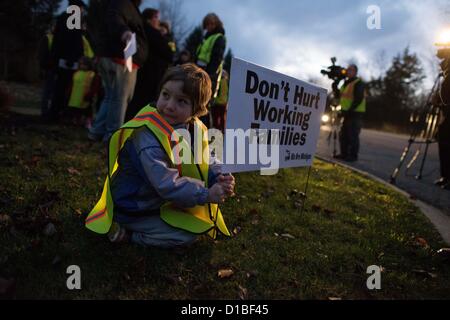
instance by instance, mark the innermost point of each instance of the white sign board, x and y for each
(282, 113)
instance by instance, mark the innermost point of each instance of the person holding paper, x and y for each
(124, 30)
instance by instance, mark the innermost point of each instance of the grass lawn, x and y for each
(52, 174)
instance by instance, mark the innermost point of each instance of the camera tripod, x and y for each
(423, 133)
(334, 125)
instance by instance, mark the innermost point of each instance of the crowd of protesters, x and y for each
(96, 89)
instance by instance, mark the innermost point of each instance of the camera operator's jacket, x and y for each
(347, 96)
(192, 212)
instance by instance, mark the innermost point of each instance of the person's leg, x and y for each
(121, 95)
(153, 231)
(354, 131)
(98, 128)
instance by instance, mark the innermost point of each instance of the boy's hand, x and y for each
(216, 194)
(228, 183)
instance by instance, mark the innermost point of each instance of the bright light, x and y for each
(325, 118)
(443, 38)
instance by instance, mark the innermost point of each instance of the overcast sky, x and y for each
(299, 37)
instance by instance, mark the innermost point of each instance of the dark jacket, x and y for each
(160, 55)
(149, 76)
(45, 59)
(67, 43)
(122, 16)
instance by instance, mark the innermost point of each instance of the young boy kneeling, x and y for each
(157, 201)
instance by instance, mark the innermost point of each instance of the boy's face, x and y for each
(173, 104)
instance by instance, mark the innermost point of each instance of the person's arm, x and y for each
(358, 95)
(183, 191)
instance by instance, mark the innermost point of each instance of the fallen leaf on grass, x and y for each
(73, 171)
(236, 230)
(243, 293)
(225, 273)
(421, 242)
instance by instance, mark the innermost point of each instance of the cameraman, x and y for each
(353, 106)
(442, 97)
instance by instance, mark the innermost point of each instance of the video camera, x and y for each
(334, 72)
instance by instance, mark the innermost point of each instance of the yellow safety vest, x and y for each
(87, 49)
(199, 219)
(347, 97)
(81, 83)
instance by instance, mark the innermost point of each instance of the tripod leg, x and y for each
(414, 158)
(419, 176)
(402, 159)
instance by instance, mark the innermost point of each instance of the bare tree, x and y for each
(172, 11)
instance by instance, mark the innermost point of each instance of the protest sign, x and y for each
(273, 120)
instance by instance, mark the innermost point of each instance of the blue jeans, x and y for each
(153, 231)
(118, 86)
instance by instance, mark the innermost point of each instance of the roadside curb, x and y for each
(439, 219)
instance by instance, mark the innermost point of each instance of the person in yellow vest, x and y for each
(80, 98)
(210, 53)
(151, 197)
(353, 107)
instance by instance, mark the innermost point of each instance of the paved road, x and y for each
(379, 155)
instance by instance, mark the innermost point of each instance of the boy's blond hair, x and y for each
(196, 85)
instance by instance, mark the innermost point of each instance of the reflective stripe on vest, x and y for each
(81, 83)
(199, 219)
(347, 97)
